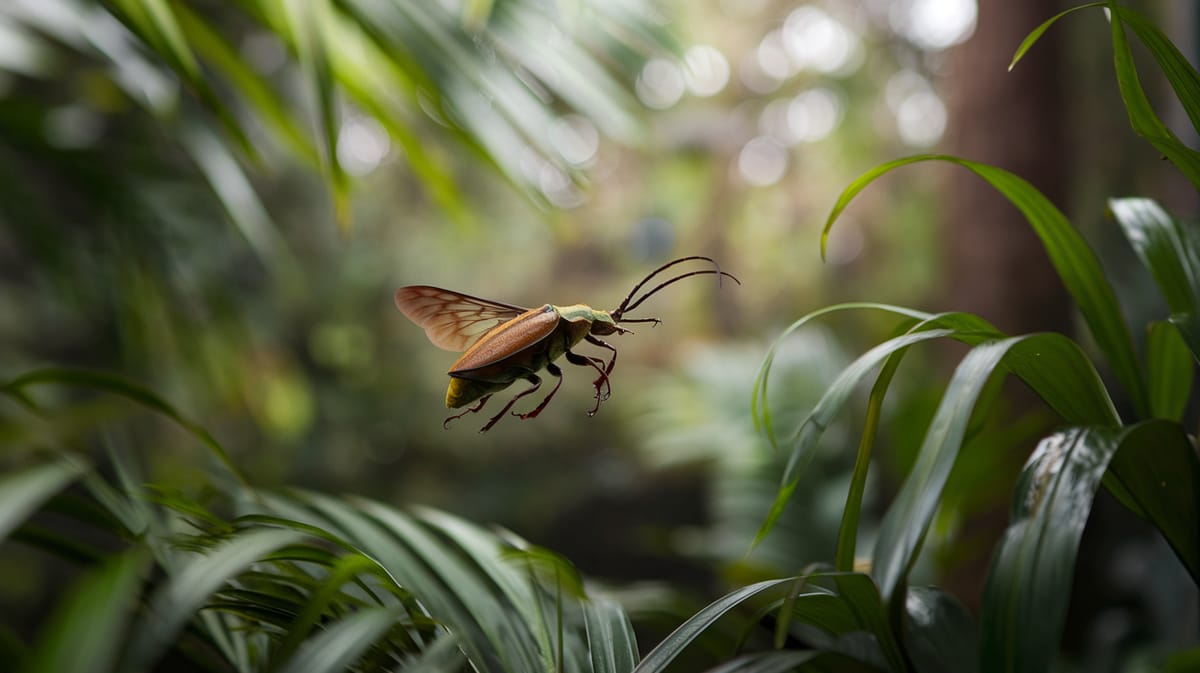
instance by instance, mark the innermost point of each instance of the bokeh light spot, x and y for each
(707, 70)
(661, 83)
(762, 162)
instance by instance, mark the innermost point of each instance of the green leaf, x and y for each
(1171, 371)
(1171, 251)
(847, 539)
(907, 520)
(1053, 365)
(1159, 468)
(1037, 33)
(23, 492)
(760, 409)
(85, 633)
(610, 637)
(117, 386)
(766, 662)
(1179, 72)
(177, 601)
(1141, 114)
(339, 646)
(307, 21)
(673, 645)
(940, 635)
(1074, 261)
(347, 569)
(155, 22)
(1029, 584)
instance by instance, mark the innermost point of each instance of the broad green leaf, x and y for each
(1171, 251)
(1029, 584)
(863, 597)
(611, 643)
(180, 597)
(85, 633)
(1074, 261)
(1171, 369)
(341, 644)
(940, 635)
(1158, 466)
(1179, 72)
(907, 520)
(117, 386)
(1053, 365)
(1141, 114)
(23, 492)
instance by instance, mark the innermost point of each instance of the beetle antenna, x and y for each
(628, 304)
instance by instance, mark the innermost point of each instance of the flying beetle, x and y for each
(501, 343)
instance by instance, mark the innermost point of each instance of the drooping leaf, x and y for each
(1171, 251)
(1029, 584)
(1073, 260)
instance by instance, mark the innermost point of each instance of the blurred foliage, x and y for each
(216, 200)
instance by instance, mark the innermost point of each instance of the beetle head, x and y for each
(629, 303)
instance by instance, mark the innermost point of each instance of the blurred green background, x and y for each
(189, 238)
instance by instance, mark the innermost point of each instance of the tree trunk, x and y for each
(996, 266)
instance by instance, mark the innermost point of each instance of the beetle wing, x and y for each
(509, 339)
(452, 320)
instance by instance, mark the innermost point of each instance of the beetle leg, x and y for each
(599, 384)
(470, 410)
(555, 372)
(532, 378)
(603, 344)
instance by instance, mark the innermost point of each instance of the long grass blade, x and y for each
(85, 633)
(340, 645)
(23, 492)
(180, 597)
(673, 645)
